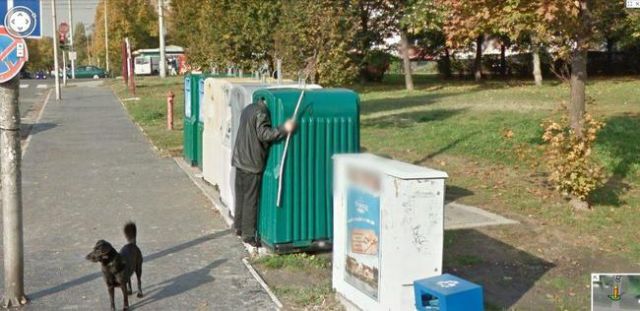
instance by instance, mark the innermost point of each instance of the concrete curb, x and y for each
(264, 285)
(213, 198)
(144, 133)
(208, 191)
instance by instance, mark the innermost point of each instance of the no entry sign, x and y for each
(13, 55)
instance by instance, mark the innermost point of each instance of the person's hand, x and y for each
(290, 126)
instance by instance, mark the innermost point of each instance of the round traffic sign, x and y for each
(64, 28)
(13, 55)
(20, 21)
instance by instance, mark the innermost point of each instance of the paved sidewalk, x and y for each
(87, 173)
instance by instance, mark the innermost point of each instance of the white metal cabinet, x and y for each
(388, 229)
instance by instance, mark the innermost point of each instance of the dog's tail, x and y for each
(130, 232)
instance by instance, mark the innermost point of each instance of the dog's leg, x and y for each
(126, 297)
(139, 276)
(129, 287)
(113, 303)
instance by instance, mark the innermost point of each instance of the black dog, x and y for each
(117, 268)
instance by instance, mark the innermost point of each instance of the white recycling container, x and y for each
(224, 99)
(388, 230)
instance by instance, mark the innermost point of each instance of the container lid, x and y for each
(390, 167)
(446, 284)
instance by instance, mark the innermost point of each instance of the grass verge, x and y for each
(150, 110)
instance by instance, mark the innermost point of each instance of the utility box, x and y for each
(190, 121)
(328, 124)
(388, 230)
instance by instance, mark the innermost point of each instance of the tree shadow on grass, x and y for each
(621, 141)
(505, 272)
(409, 119)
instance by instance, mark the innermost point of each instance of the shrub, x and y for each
(568, 157)
(374, 65)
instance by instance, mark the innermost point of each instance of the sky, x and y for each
(83, 12)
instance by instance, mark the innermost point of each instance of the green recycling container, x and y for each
(190, 121)
(328, 124)
(200, 124)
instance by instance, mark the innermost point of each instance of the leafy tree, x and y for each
(40, 54)
(469, 21)
(317, 32)
(424, 20)
(81, 41)
(375, 21)
(133, 19)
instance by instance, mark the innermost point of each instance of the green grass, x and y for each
(300, 261)
(314, 295)
(468, 121)
(150, 112)
(459, 127)
(466, 260)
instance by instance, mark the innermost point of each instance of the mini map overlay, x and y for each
(613, 291)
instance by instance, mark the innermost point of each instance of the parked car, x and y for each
(41, 75)
(88, 72)
(25, 75)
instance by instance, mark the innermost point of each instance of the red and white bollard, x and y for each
(170, 97)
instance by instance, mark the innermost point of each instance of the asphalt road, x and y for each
(33, 92)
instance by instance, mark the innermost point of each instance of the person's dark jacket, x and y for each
(254, 137)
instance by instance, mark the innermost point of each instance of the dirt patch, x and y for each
(299, 282)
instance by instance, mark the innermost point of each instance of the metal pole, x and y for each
(64, 69)
(71, 49)
(279, 68)
(163, 57)
(11, 184)
(56, 67)
(106, 36)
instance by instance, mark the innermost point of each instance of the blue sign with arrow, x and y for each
(22, 18)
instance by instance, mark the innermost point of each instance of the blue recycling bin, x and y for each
(447, 293)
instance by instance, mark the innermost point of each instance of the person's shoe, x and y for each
(238, 232)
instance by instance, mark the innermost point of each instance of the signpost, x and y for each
(13, 55)
(24, 17)
(21, 19)
(63, 29)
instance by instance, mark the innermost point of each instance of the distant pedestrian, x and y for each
(255, 135)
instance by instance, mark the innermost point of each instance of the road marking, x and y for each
(24, 86)
(25, 146)
(42, 86)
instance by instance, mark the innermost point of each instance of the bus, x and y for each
(147, 61)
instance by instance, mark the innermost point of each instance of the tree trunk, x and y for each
(537, 72)
(447, 63)
(404, 46)
(578, 96)
(11, 184)
(579, 72)
(503, 60)
(478, 62)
